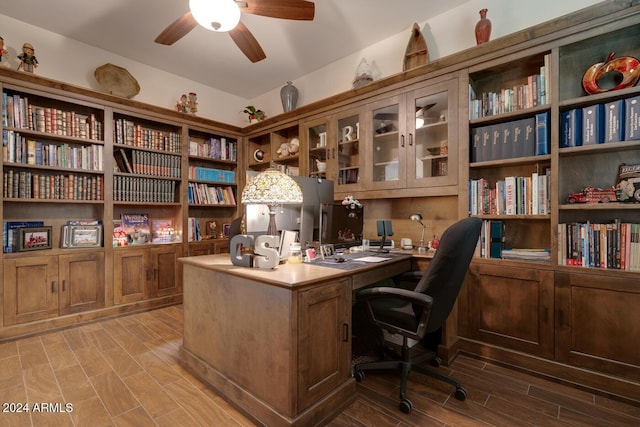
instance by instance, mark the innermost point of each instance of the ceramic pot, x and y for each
(483, 28)
(289, 97)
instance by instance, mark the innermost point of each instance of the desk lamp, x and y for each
(272, 188)
(418, 217)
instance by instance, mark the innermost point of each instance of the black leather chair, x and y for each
(413, 314)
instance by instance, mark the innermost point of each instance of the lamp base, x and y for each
(272, 230)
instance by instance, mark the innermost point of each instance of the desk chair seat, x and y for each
(412, 314)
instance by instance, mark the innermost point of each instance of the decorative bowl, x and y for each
(613, 74)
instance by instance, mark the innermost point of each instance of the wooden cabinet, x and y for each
(512, 307)
(316, 134)
(209, 247)
(596, 314)
(41, 287)
(146, 272)
(345, 150)
(324, 340)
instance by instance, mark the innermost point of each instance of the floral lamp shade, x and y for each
(272, 188)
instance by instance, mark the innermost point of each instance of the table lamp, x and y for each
(272, 188)
(418, 217)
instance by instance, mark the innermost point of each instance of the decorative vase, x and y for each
(483, 28)
(289, 97)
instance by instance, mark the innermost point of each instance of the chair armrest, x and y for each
(412, 297)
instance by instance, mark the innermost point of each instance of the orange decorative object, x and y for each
(613, 74)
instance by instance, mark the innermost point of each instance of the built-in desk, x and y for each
(275, 343)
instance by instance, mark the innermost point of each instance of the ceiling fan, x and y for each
(224, 16)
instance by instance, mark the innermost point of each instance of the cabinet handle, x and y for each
(333, 153)
(402, 141)
(53, 286)
(410, 139)
(155, 273)
(345, 330)
(64, 286)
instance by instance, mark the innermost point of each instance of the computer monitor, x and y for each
(342, 226)
(385, 230)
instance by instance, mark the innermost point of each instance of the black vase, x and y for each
(289, 97)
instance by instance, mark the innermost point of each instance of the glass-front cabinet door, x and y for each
(432, 135)
(345, 155)
(317, 137)
(386, 153)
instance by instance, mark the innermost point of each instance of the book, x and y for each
(571, 128)
(614, 121)
(528, 137)
(485, 149)
(507, 140)
(542, 134)
(496, 142)
(593, 124)
(632, 118)
(125, 161)
(474, 155)
(136, 227)
(163, 231)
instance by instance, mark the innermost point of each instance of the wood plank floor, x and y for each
(124, 372)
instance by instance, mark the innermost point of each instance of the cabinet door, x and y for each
(30, 289)
(512, 307)
(432, 135)
(81, 282)
(324, 344)
(387, 152)
(131, 275)
(166, 275)
(316, 136)
(344, 150)
(596, 322)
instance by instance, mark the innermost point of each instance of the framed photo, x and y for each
(225, 230)
(81, 236)
(34, 238)
(327, 251)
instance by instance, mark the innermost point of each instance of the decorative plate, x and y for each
(116, 81)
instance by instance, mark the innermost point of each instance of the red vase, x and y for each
(483, 28)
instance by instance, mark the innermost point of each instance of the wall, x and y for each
(448, 33)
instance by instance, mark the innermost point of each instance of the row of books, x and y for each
(614, 245)
(211, 174)
(127, 132)
(147, 163)
(514, 139)
(202, 194)
(515, 195)
(19, 113)
(19, 149)
(491, 245)
(139, 189)
(10, 233)
(348, 176)
(288, 169)
(601, 123)
(193, 230)
(30, 185)
(215, 148)
(533, 91)
(138, 229)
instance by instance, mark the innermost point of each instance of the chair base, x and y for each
(406, 364)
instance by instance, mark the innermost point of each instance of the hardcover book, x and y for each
(632, 118)
(542, 134)
(475, 145)
(614, 121)
(528, 137)
(593, 124)
(571, 128)
(136, 227)
(496, 142)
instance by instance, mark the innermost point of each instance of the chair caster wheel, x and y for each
(461, 393)
(359, 376)
(405, 406)
(436, 362)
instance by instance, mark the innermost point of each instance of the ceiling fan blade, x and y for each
(300, 10)
(177, 29)
(247, 43)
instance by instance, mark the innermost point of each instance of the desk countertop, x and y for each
(285, 275)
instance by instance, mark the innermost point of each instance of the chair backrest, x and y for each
(444, 276)
(235, 228)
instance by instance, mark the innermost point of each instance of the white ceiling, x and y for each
(293, 48)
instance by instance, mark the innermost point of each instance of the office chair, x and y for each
(235, 228)
(415, 313)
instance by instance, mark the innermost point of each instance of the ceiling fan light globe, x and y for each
(215, 15)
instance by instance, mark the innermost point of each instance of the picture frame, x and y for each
(327, 251)
(81, 236)
(34, 238)
(226, 229)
